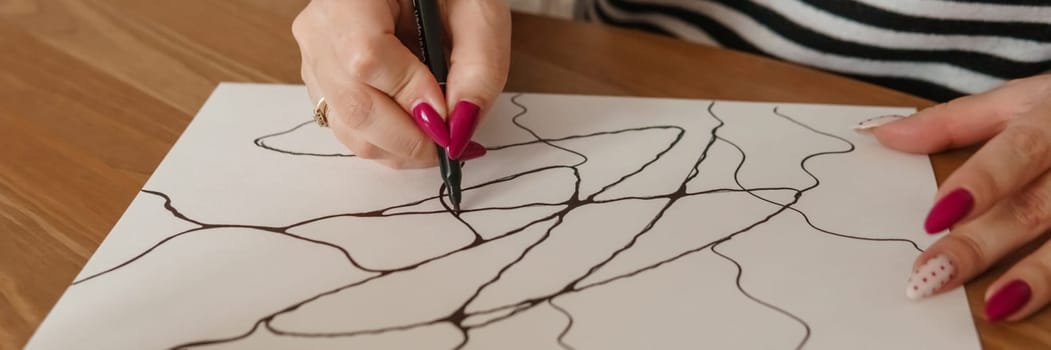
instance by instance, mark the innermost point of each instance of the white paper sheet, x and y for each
(630, 223)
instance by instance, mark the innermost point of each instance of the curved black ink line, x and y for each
(266, 320)
(171, 208)
(584, 136)
(136, 257)
(499, 274)
(220, 341)
(711, 141)
(346, 254)
(672, 199)
(385, 211)
(466, 338)
(677, 256)
(740, 288)
(678, 138)
(494, 319)
(475, 210)
(692, 194)
(569, 325)
(456, 215)
(522, 112)
(818, 181)
(261, 142)
(205, 226)
(806, 217)
(740, 269)
(371, 331)
(342, 251)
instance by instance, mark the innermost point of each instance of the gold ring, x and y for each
(320, 113)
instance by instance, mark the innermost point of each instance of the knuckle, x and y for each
(1035, 268)
(984, 184)
(419, 149)
(496, 13)
(950, 107)
(408, 83)
(1031, 209)
(362, 60)
(1029, 143)
(299, 27)
(935, 108)
(970, 249)
(1042, 270)
(487, 79)
(303, 26)
(497, 78)
(355, 108)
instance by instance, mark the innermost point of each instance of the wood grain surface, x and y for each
(93, 93)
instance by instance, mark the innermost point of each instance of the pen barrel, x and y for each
(430, 31)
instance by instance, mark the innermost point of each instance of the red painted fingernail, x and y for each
(431, 123)
(950, 209)
(462, 123)
(1008, 300)
(473, 150)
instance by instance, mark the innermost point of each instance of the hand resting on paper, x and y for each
(360, 56)
(997, 202)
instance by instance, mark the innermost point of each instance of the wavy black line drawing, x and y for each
(467, 318)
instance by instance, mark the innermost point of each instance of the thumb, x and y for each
(480, 33)
(960, 122)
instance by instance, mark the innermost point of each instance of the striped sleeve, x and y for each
(931, 48)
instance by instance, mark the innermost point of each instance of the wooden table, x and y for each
(93, 93)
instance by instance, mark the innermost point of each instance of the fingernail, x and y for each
(950, 209)
(431, 123)
(462, 122)
(1008, 300)
(473, 150)
(873, 123)
(929, 277)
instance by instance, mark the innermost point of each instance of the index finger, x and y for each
(480, 33)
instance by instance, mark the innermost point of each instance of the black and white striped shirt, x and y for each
(937, 49)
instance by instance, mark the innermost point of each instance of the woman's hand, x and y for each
(359, 55)
(995, 203)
